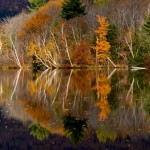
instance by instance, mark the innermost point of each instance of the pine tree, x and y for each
(72, 9)
(145, 38)
(36, 4)
(146, 27)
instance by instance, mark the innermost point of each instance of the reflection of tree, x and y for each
(43, 116)
(82, 80)
(103, 89)
(74, 128)
(38, 132)
(104, 134)
(10, 85)
(113, 97)
(36, 111)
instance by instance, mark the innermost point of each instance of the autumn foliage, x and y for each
(82, 54)
(102, 46)
(36, 24)
(103, 89)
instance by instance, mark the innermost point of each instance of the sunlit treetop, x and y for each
(35, 4)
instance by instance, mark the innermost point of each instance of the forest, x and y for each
(77, 34)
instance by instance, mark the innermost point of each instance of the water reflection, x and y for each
(77, 104)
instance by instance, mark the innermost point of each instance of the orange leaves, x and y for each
(103, 29)
(102, 46)
(37, 23)
(37, 112)
(104, 108)
(82, 54)
(103, 89)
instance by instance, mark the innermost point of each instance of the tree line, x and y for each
(78, 33)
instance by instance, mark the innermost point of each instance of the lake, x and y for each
(75, 109)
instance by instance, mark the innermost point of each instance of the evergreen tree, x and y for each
(145, 37)
(35, 4)
(72, 9)
(146, 27)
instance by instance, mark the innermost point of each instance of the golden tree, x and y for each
(102, 46)
(103, 89)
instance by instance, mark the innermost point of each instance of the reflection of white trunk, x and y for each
(111, 73)
(67, 89)
(15, 83)
(75, 98)
(130, 91)
(53, 101)
(1, 88)
(42, 74)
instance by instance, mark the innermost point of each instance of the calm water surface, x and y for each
(74, 109)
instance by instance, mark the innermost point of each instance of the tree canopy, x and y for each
(36, 4)
(72, 9)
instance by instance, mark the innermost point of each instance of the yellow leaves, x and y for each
(102, 46)
(50, 45)
(32, 48)
(33, 88)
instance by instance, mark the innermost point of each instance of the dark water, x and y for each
(74, 109)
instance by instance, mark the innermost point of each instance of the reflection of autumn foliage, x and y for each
(35, 88)
(104, 108)
(82, 80)
(103, 134)
(42, 116)
(37, 112)
(82, 54)
(103, 89)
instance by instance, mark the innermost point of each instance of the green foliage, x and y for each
(139, 52)
(146, 26)
(101, 2)
(38, 132)
(74, 128)
(104, 134)
(146, 100)
(137, 61)
(72, 9)
(56, 23)
(145, 38)
(139, 78)
(112, 97)
(35, 5)
(112, 39)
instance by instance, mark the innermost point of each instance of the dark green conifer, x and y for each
(146, 27)
(72, 9)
